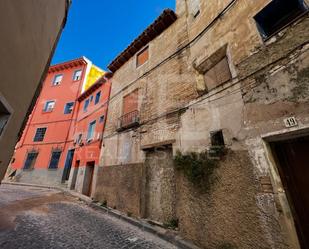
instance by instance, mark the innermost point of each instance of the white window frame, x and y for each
(45, 127)
(45, 109)
(147, 47)
(57, 82)
(90, 138)
(76, 72)
(72, 107)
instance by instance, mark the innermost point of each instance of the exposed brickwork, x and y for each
(269, 83)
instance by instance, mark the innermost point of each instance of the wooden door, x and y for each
(89, 177)
(293, 159)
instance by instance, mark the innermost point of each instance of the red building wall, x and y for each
(59, 133)
(90, 151)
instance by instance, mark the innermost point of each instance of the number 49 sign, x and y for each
(290, 122)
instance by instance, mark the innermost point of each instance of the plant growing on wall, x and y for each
(172, 224)
(199, 168)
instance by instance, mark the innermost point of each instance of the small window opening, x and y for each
(79, 138)
(97, 98)
(68, 108)
(217, 138)
(277, 14)
(57, 80)
(49, 106)
(77, 75)
(142, 57)
(40, 134)
(86, 104)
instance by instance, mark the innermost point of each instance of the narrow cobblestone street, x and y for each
(34, 218)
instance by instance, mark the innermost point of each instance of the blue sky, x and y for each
(101, 29)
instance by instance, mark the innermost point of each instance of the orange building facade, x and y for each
(44, 154)
(88, 134)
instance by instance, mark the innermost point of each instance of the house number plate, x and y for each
(290, 122)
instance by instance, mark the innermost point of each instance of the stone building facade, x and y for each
(237, 70)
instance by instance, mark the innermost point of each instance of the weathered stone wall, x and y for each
(164, 89)
(270, 83)
(160, 186)
(227, 214)
(121, 187)
(122, 148)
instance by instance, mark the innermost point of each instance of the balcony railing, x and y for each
(128, 120)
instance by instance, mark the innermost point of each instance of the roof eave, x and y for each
(164, 21)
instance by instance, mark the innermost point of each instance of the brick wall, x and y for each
(270, 82)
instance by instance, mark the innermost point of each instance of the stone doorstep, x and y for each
(165, 234)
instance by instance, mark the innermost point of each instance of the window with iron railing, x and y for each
(128, 120)
(130, 116)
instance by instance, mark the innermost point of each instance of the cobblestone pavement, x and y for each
(33, 218)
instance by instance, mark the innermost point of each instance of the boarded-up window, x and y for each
(218, 74)
(142, 57)
(130, 102)
(194, 7)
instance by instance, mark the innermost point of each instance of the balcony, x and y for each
(128, 120)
